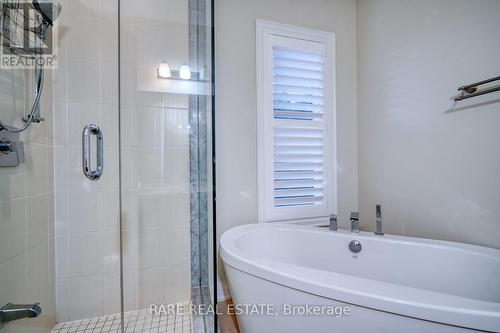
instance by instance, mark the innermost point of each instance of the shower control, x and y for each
(6, 147)
(11, 150)
(355, 246)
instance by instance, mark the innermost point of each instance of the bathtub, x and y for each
(288, 278)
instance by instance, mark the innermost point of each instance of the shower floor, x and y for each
(135, 322)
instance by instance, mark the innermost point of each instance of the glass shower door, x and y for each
(166, 187)
(59, 228)
(105, 199)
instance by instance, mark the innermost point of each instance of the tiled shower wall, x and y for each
(26, 206)
(155, 160)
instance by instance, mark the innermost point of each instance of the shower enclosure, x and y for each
(106, 166)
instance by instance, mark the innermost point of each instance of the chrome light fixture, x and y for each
(184, 73)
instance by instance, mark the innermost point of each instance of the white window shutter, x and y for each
(298, 129)
(295, 126)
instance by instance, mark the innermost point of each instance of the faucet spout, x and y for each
(354, 222)
(378, 219)
(12, 312)
(333, 222)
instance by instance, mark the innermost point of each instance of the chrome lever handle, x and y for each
(333, 222)
(378, 220)
(6, 146)
(86, 160)
(354, 221)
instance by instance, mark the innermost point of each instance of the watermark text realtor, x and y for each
(29, 35)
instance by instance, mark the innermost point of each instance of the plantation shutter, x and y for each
(298, 153)
(298, 129)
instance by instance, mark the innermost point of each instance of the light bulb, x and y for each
(164, 70)
(185, 72)
(202, 74)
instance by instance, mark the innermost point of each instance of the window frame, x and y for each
(266, 32)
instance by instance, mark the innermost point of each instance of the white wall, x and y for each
(27, 206)
(236, 102)
(432, 163)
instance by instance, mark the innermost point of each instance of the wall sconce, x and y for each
(184, 73)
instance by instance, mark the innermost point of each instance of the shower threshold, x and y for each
(141, 321)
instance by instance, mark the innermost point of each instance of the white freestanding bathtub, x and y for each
(395, 284)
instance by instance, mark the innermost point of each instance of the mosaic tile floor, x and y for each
(135, 322)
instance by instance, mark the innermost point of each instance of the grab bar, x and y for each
(474, 85)
(86, 160)
(471, 90)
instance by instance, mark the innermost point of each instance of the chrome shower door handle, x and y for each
(86, 160)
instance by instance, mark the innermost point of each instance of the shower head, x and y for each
(49, 10)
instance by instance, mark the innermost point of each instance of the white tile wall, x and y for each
(155, 162)
(27, 208)
(13, 228)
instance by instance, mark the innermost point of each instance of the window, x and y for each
(295, 122)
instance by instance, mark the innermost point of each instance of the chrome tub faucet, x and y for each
(12, 312)
(378, 219)
(333, 222)
(354, 222)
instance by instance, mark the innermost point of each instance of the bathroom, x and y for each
(227, 165)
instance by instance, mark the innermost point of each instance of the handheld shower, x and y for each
(49, 12)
